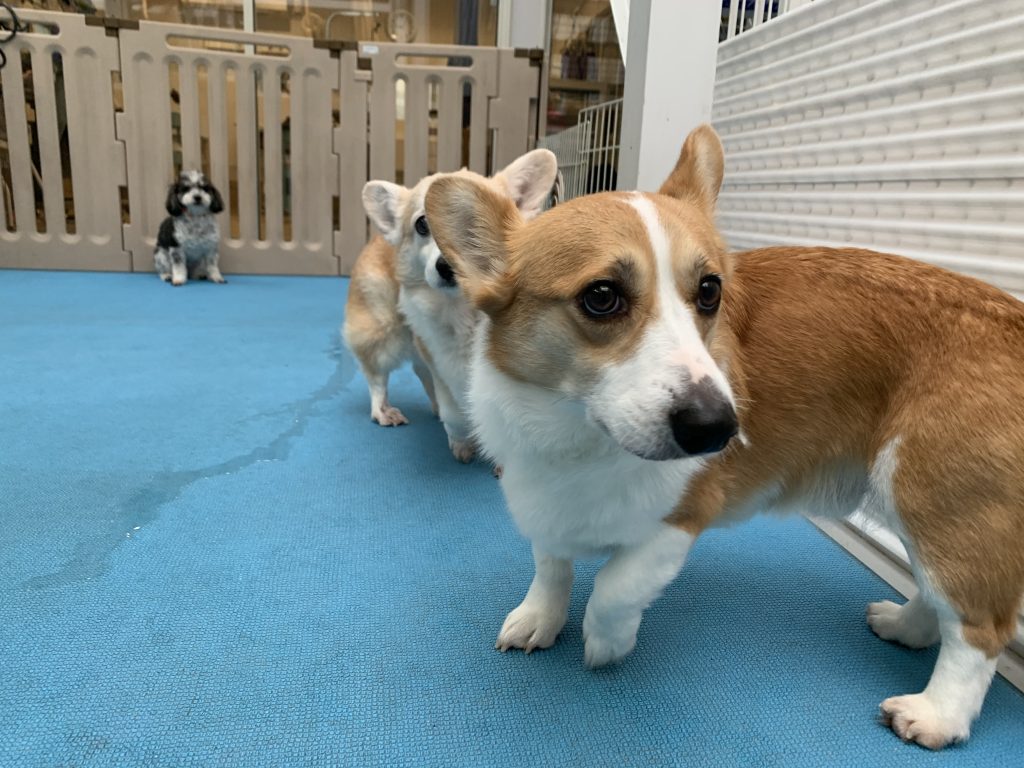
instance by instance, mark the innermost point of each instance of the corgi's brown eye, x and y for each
(421, 227)
(602, 299)
(709, 294)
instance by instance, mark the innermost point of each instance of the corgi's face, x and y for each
(614, 300)
(399, 213)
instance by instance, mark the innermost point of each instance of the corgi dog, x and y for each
(403, 301)
(640, 384)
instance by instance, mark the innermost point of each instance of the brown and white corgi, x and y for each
(403, 303)
(640, 384)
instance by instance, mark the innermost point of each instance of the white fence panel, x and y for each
(97, 118)
(60, 164)
(252, 111)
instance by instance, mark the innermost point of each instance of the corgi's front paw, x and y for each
(388, 416)
(607, 642)
(462, 450)
(916, 718)
(530, 626)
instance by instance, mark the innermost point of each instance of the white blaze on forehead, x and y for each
(193, 177)
(679, 338)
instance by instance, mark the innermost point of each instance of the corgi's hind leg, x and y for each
(382, 411)
(962, 534)
(972, 607)
(378, 357)
(943, 712)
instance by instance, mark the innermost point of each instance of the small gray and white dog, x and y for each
(186, 246)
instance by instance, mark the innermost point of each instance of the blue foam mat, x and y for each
(209, 556)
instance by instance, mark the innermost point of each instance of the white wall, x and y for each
(523, 23)
(670, 78)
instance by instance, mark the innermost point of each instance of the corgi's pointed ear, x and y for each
(530, 179)
(699, 170)
(471, 224)
(383, 201)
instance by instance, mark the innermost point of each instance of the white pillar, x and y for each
(670, 81)
(523, 23)
(249, 23)
(620, 14)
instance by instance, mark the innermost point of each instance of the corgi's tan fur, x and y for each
(836, 379)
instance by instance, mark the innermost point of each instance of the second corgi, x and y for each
(403, 301)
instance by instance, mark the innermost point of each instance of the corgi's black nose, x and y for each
(705, 422)
(444, 269)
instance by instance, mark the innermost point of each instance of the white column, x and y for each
(620, 13)
(523, 23)
(249, 23)
(669, 85)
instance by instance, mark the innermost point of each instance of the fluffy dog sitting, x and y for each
(186, 246)
(403, 302)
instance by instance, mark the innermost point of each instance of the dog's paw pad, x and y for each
(462, 450)
(529, 628)
(606, 642)
(884, 619)
(600, 651)
(389, 416)
(889, 621)
(916, 718)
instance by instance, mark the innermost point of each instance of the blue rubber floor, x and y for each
(209, 556)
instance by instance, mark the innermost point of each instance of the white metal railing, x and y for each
(745, 15)
(588, 152)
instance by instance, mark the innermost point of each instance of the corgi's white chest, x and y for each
(571, 511)
(444, 322)
(569, 488)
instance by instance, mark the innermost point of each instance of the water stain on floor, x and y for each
(92, 557)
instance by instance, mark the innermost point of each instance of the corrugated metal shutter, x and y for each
(896, 125)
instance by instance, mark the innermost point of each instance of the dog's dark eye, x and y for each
(602, 299)
(421, 227)
(709, 294)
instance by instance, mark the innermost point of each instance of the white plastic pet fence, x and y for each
(98, 115)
